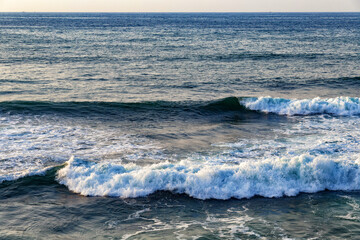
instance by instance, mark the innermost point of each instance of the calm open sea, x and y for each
(179, 126)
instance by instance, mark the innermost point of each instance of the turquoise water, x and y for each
(179, 126)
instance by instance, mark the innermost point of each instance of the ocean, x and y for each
(179, 125)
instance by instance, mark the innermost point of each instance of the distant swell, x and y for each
(262, 56)
(341, 106)
(268, 178)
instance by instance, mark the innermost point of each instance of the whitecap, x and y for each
(341, 106)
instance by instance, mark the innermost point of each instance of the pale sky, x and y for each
(180, 5)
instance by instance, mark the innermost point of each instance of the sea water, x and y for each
(179, 126)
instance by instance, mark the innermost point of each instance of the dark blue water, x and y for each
(179, 126)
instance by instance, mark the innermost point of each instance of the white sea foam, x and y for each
(342, 106)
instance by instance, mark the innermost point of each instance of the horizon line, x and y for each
(181, 12)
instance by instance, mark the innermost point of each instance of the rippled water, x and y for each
(184, 126)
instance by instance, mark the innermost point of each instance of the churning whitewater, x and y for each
(327, 159)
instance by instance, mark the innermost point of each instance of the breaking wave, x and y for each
(268, 178)
(342, 106)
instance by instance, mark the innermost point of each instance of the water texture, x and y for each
(189, 126)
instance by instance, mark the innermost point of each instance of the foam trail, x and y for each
(204, 180)
(341, 106)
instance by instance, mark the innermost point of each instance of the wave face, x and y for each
(116, 108)
(270, 178)
(341, 106)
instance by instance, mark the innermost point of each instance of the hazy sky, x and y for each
(180, 5)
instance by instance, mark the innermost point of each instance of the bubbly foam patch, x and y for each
(342, 106)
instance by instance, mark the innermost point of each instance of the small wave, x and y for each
(340, 106)
(13, 176)
(267, 178)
